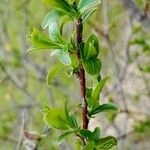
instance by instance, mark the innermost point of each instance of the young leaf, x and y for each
(35, 49)
(74, 120)
(92, 66)
(88, 13)
(96, 134)
(70, 117)
(46, 108)
(106, 142)
(56, 118)
(65, 20)
(69, 72)
(55, 35)
(62, 4)
(40, 41)
(104, 108)
(89, 97)
(51, 74)
(64, 136)
(96, 80)
(74, 61)
(89, 146)
(92, 136)
(53, 16)
(63, 56)
(99, 88)
(67, 115)
(91, 49)
(87, 4)
(86, 133)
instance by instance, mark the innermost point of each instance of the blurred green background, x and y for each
(125, 52)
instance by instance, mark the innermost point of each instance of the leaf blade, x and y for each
(92, 66)
(86, 4)
(40, 41)
(51, 74)
(99, 88)
(106, 142)
(53, 16)
(64, 135)
(104, 108)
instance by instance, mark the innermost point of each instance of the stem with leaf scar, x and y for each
(79, 28)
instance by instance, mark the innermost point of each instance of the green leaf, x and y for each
(88, 92)
(56, 118)
(96, 80)
(65, 20)
(74, 61)
(67, 115)
(92, 53)
(93, 66)
(89, 97)
(69, 72)
(55, 35)
(46, 108)
(92, 136)
(96, 133)
(91, 49)
(62, 4)
(106, 142)
(86, 133)
(64, 136)
(51, 74)
(89, 146)
(88, 13)
(53, 16)
(63, 56)
(36, 49)
(40, 41)
(99, 88)
(74, 120)
(70, 117)
(87, 4)
(104, 108)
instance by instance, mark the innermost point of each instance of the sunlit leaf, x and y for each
(106, 142)
(96, 133)
(67, 115)
(55, 35)
(52, 17)
(40, 41)
(74, 120)
(104, 108)
(93, 66)
(99, 88)
(91, 49)
(64, 136)
(89, 146)
(65, 20)
(91, 136)
(87, 4)
(56, 118)
(51, 74)
(62, 55)
(46, 108)
(88, 13)
(62, 4)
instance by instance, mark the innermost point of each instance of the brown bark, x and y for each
(79, 28)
